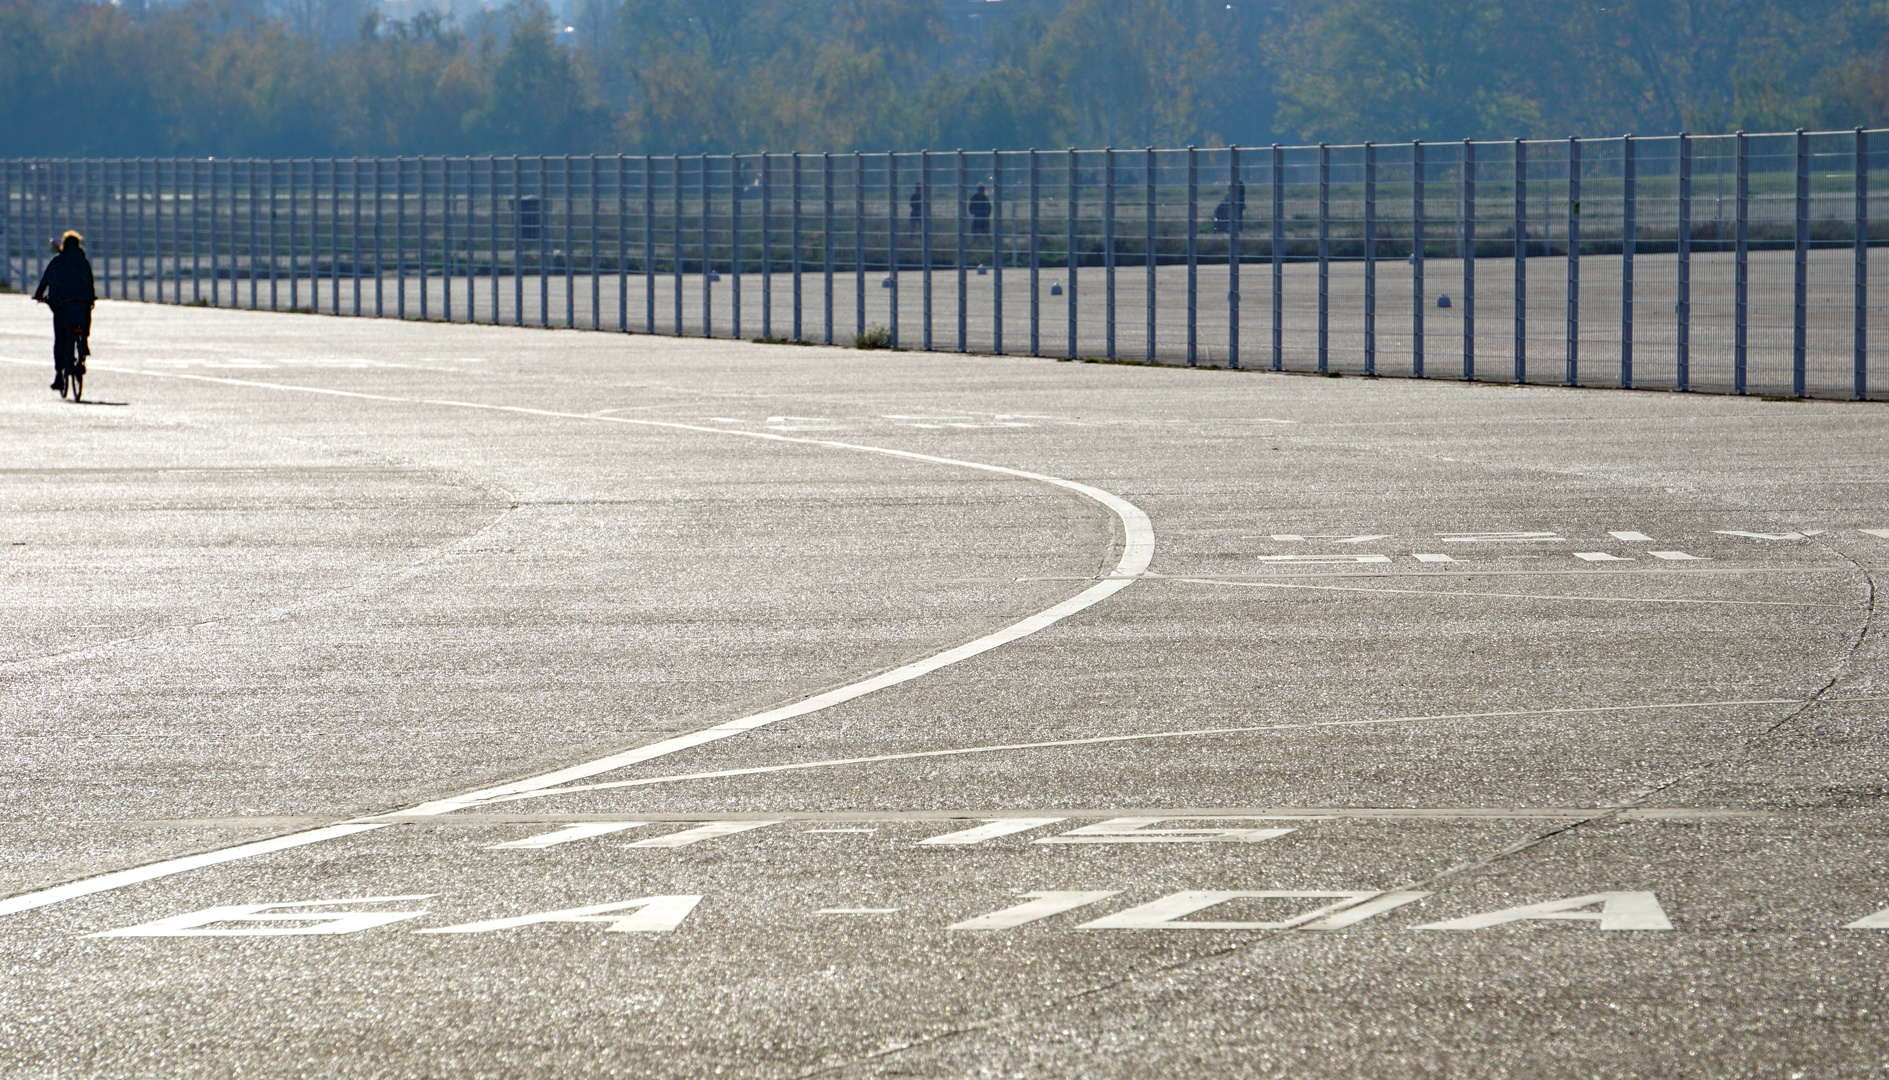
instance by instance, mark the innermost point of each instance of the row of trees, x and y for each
(322, 77)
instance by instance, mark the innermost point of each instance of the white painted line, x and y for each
(1287, 536)
(1499, 538)
(1675, 556)
(1043, 906)
(709, 831)
(991, 830)
(1165, 913)
(1454, 592)
(1878, 921)
(654, 915)
(1765, 536)
(566, 835)
(1099, 740)
(1618, 911)
(868, 832)
(856, 911)
(1134, 830)
(1346, 559)
(1884, 533)
(1431, 557)
(1632, 537)
(1357, 913)
(1598, 556)
(326, 920)
(1362, 539)
(152, 871)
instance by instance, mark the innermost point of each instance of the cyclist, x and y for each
(66, 287)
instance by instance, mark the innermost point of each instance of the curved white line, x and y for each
(1137, 554)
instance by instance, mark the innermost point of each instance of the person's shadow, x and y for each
(89, 401)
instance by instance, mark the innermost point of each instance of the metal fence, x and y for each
(1736, 263)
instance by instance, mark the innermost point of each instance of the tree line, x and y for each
(278, 78)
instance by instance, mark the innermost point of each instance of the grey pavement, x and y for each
(1491, 731)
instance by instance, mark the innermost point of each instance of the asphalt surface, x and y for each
(1556, 716)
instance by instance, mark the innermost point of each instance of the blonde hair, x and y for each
(70, 239)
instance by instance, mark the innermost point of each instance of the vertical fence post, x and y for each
(924, 238)
(1236, 222)
(1071, 259)
(335, 195)
(1151, 214)
(196, 231)
(957, 217)
(380, 201)
(1277, 252)
(1466, 242)
(1108, 250)
(1861, 276)
(996, 233)
(1520, 227)
(1683, 307)
(1573, 341)
(446, 260)
(1629, 239)
(295, 265)
(400, 236)
(675, 239)
(596, 265)
(649, 243)
(1324, 257)
(795, 242)
(623, 251)
(826, 240)
(1741, 265)
(1036, 257)
(274, 258)
(708, 250)
(859, 243)
(1800, 290)
(1416, 259)
(1370, 259)
(1193, 256)
(734, 243)
(892, 257)
(491, 233)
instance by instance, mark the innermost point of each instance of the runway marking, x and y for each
(1166, 913)
(1137, 554)
(1878, 921)
(709, 831)
(566, 835)
(1495, 595)
(1675, 556)
(1098, 740)
(991, 830)
(139, 874)
(1042, 906)
(1631, 537)
(868, 832)
(1599, 556)
(1346, 559)
(856, 911)
(1500, 538)
(654, 915)
(1769, 536)
(1336, 538)
(1618, 911)
(325, 919)
(1431, 557)
(1134, 830)
(1884, 533)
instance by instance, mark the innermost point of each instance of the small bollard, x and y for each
(1444, 301)
(980, 269)
(887, 283)
(1055, 288)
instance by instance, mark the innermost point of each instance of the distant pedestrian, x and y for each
(1222, 215)
(980, 211)
(1236, 196)
(918, 203)
(66, 287)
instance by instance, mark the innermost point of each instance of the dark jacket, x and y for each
(67, 280)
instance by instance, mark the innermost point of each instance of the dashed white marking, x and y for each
(653, 915)
(1499, 538)
(868, 832)
(1884, 533)
(1767, 536)
(1134, 830)
(1599, 556)
(1346, 559)
(991, 830)
(1632, 537)
(320, 913)
(709, 831)
(1165, 913)
(1618, 911)
(566, 835)
(1675, 556)
(1043, 906)
(1431, 557)
(856, 911)
(1878, 921)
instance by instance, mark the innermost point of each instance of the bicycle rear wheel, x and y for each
(75, 381)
